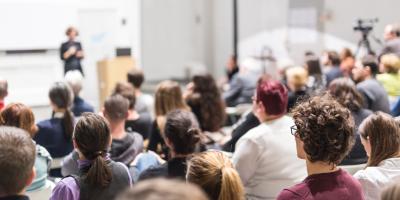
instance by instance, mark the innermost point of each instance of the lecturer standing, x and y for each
(71, 51)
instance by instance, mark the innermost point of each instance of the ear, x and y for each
(31, 177)
(74, 144)
(368, 69)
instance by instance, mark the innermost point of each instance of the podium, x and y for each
(111, 71)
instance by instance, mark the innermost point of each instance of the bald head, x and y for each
(3, 88)
(392, 31)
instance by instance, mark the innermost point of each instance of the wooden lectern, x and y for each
(111, 71)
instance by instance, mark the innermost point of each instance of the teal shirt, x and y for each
(42, 167)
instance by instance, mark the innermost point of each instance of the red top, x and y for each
(1, 105)
(327, 186)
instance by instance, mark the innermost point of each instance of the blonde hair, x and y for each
(297, 76)
(391, 192)
(214, 172)
(168, 97)
(391, 63)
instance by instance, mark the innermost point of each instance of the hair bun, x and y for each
(194, 135)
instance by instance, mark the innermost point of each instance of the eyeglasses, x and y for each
(293, 130)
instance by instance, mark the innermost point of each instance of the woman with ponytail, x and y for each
(55, 134)
(214, 172)
(99, 177)
(182, 136)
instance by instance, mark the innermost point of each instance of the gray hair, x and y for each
(74, 79)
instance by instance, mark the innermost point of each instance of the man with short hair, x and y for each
(74, 79)
(17, 159)
(375, 96)
(144, 102)
(332, 64)
(265, 156)
(392, 40)
(3, 92)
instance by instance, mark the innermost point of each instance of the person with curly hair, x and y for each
(380, 135)
(324, 133)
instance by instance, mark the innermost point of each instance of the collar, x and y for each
(58, 115)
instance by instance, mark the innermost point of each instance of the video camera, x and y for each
(365, 25)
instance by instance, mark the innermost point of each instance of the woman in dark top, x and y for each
(345, 92)
(71, 51)
(55, 134)
(316, 80)
(182, 136)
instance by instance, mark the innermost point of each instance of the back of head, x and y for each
(116, 108)
(20, 116)
(74, 78)
(162, 189)
(391, 63)
(135, 77)
(3, 88)
(333, 58)
(168, 97)
(391, 192)
(313, 65)
(296, 77)
(92, 138)
(383, 133)
(273, 95)
(214, 172)
(325, 127)
(345, 92)
(127, 91)
(17, 157)
(346, 53)
(182, 130)
(371, 62)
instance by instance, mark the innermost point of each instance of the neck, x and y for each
(176, 155)
(118, 130)
(319, 167)
(133, 115)
(138, 92)
(267, 118)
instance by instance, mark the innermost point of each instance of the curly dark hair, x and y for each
(325, 127)
(345, 92)
(206, 103)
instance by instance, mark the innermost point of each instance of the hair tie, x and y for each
(99, 153)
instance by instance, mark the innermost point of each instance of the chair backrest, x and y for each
(352, 169)
(42, 193)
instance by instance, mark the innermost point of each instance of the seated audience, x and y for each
(347, 62)
(100, 177)
(17, 159)
(380, 135)
(55, 134)
(243, 83)
(136, 122)
(3, 92)
(324, 133)
(297, 83)
(259, 153)
(331, 61)
(391, 192)
(390, 78)
(162, 189)
(182, 136)
(214, 172)
(392, 40)
(316, 80)
(21, 116)
(74, 78)
(345, 92)
(375, 96)
(144, 102)
(168, 97)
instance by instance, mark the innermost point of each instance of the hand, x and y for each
(72, 50)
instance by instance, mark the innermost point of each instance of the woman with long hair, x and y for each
(21, 116)
(99, 177)
(214, 172)
(380, 136)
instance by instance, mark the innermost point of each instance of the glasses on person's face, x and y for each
(293, 130)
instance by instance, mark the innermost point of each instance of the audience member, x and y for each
(259, 153)
(390, 78)
(3, 92)
(380, 135)
(182, 136)
(162, 189)
(345, 92)
(391, 192)
(144, 102)
(375, 96)
(324, 135)
(17, 159)
(21, 116)
(347, 62)
(243, 83)
(297, 83)
(316, 80)
(392, 41)
(74, 78)
(331, 61)
(214, 172)
(168, 97)
(136, 122)
(100, 177)
(55, 134)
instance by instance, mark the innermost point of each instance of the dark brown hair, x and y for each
(20, 116)
(92, 137)
(60, 94)
(383, 133)
(371, 62)
(345, 92)
(346, 53)
(182, 130)
(207, 98)
(18, 153)
(116, 107)
(333, 58)
(135, 76)
(313, 65)
(325, 127)
(127, 91)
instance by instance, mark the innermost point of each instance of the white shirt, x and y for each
(374, 179)
(266, 159)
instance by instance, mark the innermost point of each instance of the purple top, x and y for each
(326, 186)
(67, 189)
